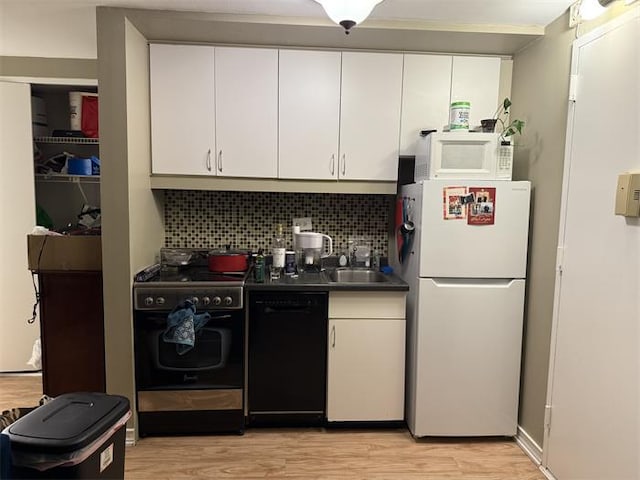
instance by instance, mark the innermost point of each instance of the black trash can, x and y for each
(76, 435)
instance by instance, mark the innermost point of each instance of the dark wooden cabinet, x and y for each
(72, 329)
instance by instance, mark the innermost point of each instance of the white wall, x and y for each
(17, 218)
(50, 29)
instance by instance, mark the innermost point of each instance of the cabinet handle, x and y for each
(333, 164)
(209, 159)
(333, 336)
(344, 164)
(220, 161)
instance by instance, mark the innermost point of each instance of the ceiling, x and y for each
(520, 13)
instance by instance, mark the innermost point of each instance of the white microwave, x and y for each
(463, 156)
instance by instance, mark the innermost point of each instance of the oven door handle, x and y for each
(292, 309)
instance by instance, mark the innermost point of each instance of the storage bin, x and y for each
(75, 108)
(76, 435)
(83, 166)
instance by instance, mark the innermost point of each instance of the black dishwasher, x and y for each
(287, 352)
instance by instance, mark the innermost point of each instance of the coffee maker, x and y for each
(310, 249)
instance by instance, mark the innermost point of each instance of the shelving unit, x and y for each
(61, 177)
(72, 140)
(60, 195)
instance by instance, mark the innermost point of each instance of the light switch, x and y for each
(628, 195)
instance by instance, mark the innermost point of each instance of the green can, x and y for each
(459, 116)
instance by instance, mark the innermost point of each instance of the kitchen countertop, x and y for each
(321, 282)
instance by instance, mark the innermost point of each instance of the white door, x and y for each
(365, 375)
(594, 378)
(426, 85)
(476, 80)
(453, 248)
(370, 116)
(17, 217)
(182, 109)
(247, 112)
(309, 115)
(468, 357)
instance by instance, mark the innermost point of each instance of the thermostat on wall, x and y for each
(628, 195)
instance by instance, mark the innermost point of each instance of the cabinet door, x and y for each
(246, 112)
(72, 344)
(309, 114)
(370, 116)
(182, 109)
(476, 80)
(426, 85)
(365, 376)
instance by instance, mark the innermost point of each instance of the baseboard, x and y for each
(130, 438)
(529, 446)
(547, 473)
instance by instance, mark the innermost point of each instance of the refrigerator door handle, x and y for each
(474, 282)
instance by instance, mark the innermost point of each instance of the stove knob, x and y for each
(148, 301)
(217, 300)
(206, 301)
(228, 301)
(195, 300)
(160, 301)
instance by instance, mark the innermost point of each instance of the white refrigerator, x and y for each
(465, 263)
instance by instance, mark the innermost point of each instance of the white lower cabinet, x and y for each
(366, 356)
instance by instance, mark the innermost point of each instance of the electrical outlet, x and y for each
(574, 14)
(304, 223)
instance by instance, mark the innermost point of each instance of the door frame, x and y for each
(575, 59)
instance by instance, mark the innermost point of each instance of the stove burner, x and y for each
(172, 285)
(195, 274)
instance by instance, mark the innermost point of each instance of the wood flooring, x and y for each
(307, 453)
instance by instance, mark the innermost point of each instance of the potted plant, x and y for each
(502, 117)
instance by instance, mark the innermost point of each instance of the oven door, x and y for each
(214, 362)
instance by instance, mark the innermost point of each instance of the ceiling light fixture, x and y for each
(590, 9)
(348, 13)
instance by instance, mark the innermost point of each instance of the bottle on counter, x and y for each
(258, 270)
(278, 253)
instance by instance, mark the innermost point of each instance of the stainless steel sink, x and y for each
(357, 276)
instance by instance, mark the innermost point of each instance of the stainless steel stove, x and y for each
(163, 286)
(172, 286)
(200, 390)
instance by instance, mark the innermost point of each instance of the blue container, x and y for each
(83, 166)
(79, 166)
(95, 165)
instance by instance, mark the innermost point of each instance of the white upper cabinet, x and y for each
(476, 80)
(370, 116)
(426, 86)
(182, 109)
(246, 95)
(309, 114)
(304, 114)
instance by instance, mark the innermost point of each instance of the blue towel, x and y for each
(182, 325)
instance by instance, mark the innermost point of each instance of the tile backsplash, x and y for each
(206, 219)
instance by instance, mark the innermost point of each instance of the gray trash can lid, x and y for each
(68, 422)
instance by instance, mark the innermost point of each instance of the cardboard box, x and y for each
(69, 252)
